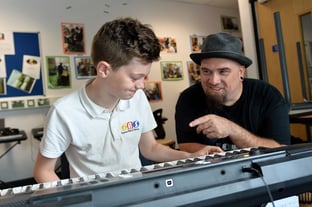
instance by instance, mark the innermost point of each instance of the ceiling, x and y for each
(217, 3)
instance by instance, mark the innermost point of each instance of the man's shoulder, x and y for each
(261, 88)
(260, 84)
(193, 90)
(255, 81)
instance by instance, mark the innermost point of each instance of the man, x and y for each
(102, 126)
(225, 109)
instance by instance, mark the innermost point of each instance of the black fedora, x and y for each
(222, 45)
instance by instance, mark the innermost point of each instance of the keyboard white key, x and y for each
(17, 190)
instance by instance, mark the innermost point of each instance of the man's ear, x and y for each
(242, 71)
(103, 69)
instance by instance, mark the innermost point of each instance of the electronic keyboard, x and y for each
(243, 177)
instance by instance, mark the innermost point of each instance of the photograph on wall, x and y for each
(58, 72)
(73, 38)
(31, 66)
(43, 102)
(171, 70)
(153, 91)
(193, 72)
(196, 42)
(21, 81)
(229, 24)
(84, 67)
(168, 45)
(2, 86)
(18, 104)
(7, 43)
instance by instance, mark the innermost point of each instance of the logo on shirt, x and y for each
(130, 126)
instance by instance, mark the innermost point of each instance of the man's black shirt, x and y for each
(261, 110)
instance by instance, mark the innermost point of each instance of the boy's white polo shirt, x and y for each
(86, 128)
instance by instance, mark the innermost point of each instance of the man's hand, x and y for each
(212, 126)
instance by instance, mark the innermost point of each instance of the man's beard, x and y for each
(215, 101)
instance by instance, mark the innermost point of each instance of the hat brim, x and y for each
(197, 57)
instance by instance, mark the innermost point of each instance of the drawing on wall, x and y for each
(58, 72)
(196, 42)
(21, 81)
(171, 70)
(153, 91)
(193, 72)
(84, 67)
(73, 38)
(229, 24)
(168, 45)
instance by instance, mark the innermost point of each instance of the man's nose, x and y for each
(214, 78)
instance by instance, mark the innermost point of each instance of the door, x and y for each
(292, 14)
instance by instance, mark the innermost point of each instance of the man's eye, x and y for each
(206, 71)
(224, 72)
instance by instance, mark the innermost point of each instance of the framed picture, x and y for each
(58, 72)
(153, 91)
(196, 42)
(171, 70)
(229, 24)
(168, 44)
(73, 37)
(193, 72)
(84, 67)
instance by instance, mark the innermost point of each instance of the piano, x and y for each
(243, 177)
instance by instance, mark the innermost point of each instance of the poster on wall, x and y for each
(58, 72)
(153, 91)
(168, 44)
(171, 70)
(73, 38)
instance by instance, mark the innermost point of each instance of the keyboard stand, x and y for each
(12, 138)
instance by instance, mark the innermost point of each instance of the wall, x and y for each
(178, 20)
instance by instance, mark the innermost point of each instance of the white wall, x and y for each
(178, 20)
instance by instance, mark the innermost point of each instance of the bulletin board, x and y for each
(25, 44)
